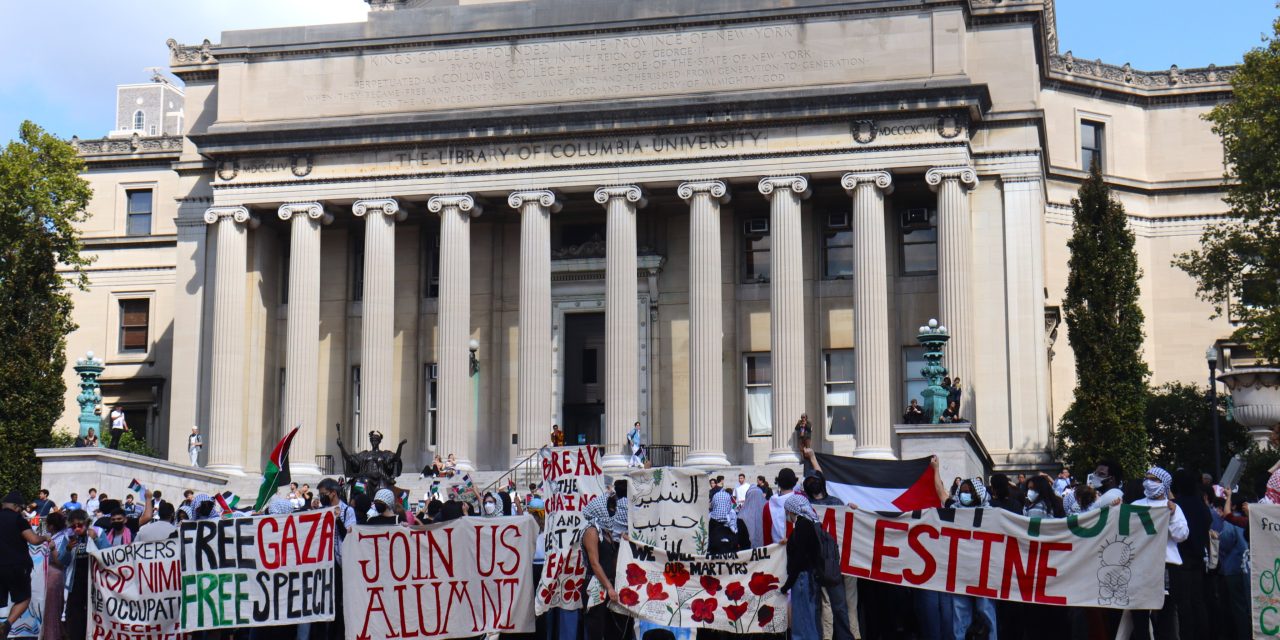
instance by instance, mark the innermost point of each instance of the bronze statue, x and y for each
(377, 468)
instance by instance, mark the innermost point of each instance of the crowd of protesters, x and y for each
(1207, 581)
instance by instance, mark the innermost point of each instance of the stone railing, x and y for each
(134, 144)
(1126, 76)
(190, 54)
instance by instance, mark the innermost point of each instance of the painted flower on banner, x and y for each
(762, 583)
(548, 593)
(735, 591)
(710, 584)
(676, 574)
(735, 611)
(636, 575)
(704, 610)
(655, 591)
(628, 597)
(571, 590)
(765, 615)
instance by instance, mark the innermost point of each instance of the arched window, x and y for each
(139, 120)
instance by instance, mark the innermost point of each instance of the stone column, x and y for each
(621, 321)
(786, 310)
(377, 310)
(873, 416)
(226, 387)
(455, 408)
(302, 375)
(534, 413)
(955, 266)
(706, 330)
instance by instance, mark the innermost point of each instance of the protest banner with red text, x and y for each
(457, 579)
(259, 571)
(135, 591)
(733, 592)
(572, 477)
(1110, 557)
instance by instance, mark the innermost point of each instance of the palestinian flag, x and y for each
(228, 501)
(881, 485)
(277, 472)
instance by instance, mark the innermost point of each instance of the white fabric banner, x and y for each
(459, 579)
(668, 510)
(1264, 569)
(571, 477)
(259, 571)
(734, 592)
(1111, 557)
(135, 591)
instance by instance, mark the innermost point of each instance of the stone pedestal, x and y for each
(63, 471)
(959, 449)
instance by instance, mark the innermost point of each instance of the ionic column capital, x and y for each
(630, 192)
(462, 202)
(236, 213)
(882, 180)
(385, 206)
(313, 210)
(966, 175)
(715, 188)
(543, 197)
(797, 184)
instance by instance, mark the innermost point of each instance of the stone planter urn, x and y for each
(1255, 397)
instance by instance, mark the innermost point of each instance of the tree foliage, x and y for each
(1241, 258)
(1180, 429)
(1104, 326)
(42, 197)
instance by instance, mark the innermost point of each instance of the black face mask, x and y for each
(117, 526)
(324, 500)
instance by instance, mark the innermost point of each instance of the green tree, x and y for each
(1104, 326)
(1180, 429)
(1241, 258)
(42, 197)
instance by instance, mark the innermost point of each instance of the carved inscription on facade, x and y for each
(617, 67)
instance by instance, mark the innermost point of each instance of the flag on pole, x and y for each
(227, 501)
(880, 485)
(276, 474)
(136, 486)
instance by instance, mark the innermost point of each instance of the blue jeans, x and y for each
(934, 611)
(840, 627)
(806, 608)
(965, 608)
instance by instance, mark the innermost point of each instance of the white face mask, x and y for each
(966, 498)
(1096, 481)
(1153, 489)
(1032, 495)
(490, 507)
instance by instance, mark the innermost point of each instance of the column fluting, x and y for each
(455, 406)
(302, 334)
(377, 320)
(226, 389)
(786, 310)
(706, 330)
(955, 267)
(534, 412)
(621, 319)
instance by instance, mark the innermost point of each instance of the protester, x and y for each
(1002, 493)
(954, 393)
(1062, 482)
(1155, 489)
(606, 526)
(195, 442)
(118, 426)
(804, 433)
(775, 512)
(45, 506)
(131, 508)
(15, 560)
(803, 560)
(73, 556)
(91, 438)
(914, 413)
(1041, 500)
(1233, 558)
(90, 505)
(1187, 579)
(751, 513)
(54, 579)
(73, 503)
(973, 616)
(383, 512)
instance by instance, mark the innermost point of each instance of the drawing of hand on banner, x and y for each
(733, 592)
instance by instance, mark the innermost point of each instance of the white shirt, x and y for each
(740, 493)
(776, 516)
(155, 531)
(117, 420)
(91, 505)
(194, 441)
(1178, 529)
(1106, 498)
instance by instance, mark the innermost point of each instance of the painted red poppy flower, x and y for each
(571, 590)
(735, 591)
(735, 611)
(676, 574)
(762, 583)
(765, 615)
(635, 575)
(628, 597)
(656, 592)
(710, 583)
(704, 610)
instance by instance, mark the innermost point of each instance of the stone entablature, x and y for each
(1067, 67)
(135, 145)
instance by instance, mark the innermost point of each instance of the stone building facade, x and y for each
(707, 216)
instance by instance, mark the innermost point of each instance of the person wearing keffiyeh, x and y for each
(970, 612)
(606, 526)
(803, 560)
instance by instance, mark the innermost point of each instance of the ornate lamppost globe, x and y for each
(933, 323)
(474, 345)
(924, 329)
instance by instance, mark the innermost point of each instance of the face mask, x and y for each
(371, 513)
(966, 498)
(1152, 489)
(324, 500)
(1032, 495)
(490, 507)
(117, 526)
(1096, 481)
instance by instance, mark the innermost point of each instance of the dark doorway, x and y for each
(583, 377)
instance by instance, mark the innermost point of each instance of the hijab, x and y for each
(752, 514)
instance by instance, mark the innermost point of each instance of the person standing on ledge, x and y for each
(118, 426)
(557, 436)
(804, 433)
(194, 444)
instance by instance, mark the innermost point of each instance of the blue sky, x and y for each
(63, 58)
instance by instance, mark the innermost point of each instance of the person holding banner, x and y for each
(973, 616)
(606, 528)
(54, 580)
(1155, 490)
(803, 559)
(73, 556)
(15, 560)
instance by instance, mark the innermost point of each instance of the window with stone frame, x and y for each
(758, 382)
(757, 248)
(139, 120)
(913, 381)
(431, 263)
(355, 399)
(1091, 145)
(134, 323)
(357, 269)
(837, 246)
(840, 397)
(918, 240)
(429, 380)
(138, 209)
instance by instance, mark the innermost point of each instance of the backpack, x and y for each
(828, 570)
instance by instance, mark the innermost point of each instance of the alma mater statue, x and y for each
(377, 468)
